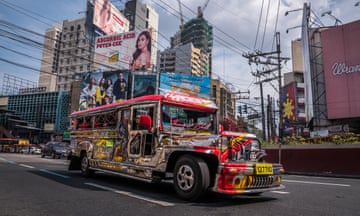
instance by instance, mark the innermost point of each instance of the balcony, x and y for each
(300, 85)
(301, 100)
(301, 116)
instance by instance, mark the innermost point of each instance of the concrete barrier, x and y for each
(330, 159)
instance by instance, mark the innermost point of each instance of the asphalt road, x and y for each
(30, 185)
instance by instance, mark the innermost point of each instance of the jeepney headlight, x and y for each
(255, 145)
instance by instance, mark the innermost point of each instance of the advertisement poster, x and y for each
(288, 108)
(103, 88)
(108, 18)
(342, 70)
(144, 84)
(130, 50)
(195, 86)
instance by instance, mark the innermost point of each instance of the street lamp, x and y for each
(287, 12)
(287, 30)
(329, 13)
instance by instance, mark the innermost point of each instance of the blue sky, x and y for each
(235, 24)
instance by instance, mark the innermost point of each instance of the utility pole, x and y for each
(271, 62)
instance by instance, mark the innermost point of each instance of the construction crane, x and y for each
(201, 10)
(181, 17)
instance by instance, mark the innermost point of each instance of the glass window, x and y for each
(142, 118)
(181, 120)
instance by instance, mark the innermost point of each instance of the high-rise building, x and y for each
(50, 57)
(198, 32)
(143, 16)
(76, 53)
(67, 54)
(185, 59)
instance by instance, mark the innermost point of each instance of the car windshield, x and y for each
(177, 119)
(60, 145)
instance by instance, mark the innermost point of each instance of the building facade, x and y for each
(67, 54)
(42, 114)
(222, 95)
(184, 59)
(50, 58)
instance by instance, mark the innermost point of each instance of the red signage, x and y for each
(342, 70)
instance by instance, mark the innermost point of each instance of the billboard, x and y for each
(144, 84)
(108, 18)
(103, 88)
(196, 86)
(342, 70)
(288, 103)
(129, 50)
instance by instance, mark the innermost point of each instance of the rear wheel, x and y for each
(191, 177)
(85, 171)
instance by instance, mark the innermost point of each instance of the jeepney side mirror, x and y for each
(146, 121)
(221, 129)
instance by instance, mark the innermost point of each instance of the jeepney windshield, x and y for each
(177, 119)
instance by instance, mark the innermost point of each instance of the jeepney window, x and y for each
(105, 120)
(177, 119)
(83, 122)
(141, 113)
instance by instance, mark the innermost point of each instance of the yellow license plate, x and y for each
(264, 169)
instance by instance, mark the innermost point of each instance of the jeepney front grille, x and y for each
(260, 181)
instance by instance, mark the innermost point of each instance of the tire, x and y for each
(42, 155)
(191, 177)
(53, 155)
(85, 171)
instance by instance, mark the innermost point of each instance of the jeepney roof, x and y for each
(178, 99)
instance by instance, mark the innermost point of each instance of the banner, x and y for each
(108, 18)
(103, 88)
(196, 86)
(342, 70)
(144, 84)
(130, 50)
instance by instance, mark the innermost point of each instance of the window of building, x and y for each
(78, 27)
(64, 37)
(72, 28)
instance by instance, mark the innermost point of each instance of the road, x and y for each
(31, 185)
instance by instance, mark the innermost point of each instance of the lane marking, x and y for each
(54, 173)
(280, 192)
(320, 183)
(27, 166)
(129, 194)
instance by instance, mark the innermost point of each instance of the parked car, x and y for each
(35, 150)
(56, 149)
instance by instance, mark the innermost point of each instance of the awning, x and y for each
(17, 120)
(28, 127)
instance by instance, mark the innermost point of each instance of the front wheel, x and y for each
(191, 177)
(85, 171)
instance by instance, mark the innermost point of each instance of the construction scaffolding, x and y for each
(12, 84)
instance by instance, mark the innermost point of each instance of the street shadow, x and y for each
(160, 191)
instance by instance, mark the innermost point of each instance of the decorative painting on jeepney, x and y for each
(189, 140)
(103, 149)
(120, 148)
